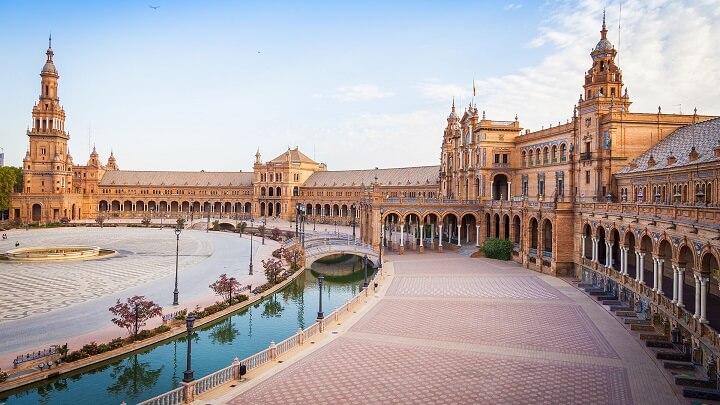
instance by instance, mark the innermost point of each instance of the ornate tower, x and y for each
(47, 167)
(603, 94)
(449, 158)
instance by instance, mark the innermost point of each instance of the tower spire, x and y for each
(603, 32)
(50, 41)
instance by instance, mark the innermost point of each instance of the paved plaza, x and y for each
(52, 303)
(450, 329)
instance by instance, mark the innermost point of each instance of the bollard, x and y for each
(273, 350)
(236, 369)
(300, 336)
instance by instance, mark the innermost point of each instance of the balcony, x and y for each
(586, 156)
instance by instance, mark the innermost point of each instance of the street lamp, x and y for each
(313, 223)
(297, 220)
(336, 227)
(177, 253)
(188, 374)
(251, 248)
(320, 288)
(263, 231)
(365, 262)
(352, 209)
(381, 238)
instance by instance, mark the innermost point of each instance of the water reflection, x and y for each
(224, 332)
(272, 308)
(133, 377)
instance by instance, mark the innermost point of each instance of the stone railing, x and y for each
(189, 391)
(703, 331)
(692, 214)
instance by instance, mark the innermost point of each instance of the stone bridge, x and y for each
(321, 245)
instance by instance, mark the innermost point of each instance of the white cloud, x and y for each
(666, 53)
(361, 92)
(444, 91)
(513, 6)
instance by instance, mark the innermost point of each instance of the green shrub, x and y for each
(144, 334)
(116, 343)
(3, 376)
(162, 329)
(500, 249)
(104, 347)
(76, 355)
(90, 349)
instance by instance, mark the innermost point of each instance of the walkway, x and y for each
(449, 329)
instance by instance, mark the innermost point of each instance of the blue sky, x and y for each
(201, 85)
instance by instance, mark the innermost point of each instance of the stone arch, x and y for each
(278, 191)
(686, 262)
(262, 191)
(127, 206)
(500, 187)
(615, 248)
(103, 205)
(174, 206)
(248, 207)
(496, 226)
(547, 237)
(665, 255)
(533, 232)
(487, 225)
(262, 209)
(709, 262)
(450, 226)
(506, 227)
(601, 247)
(468, 231)
(271, 191)
(517, 230)
(278, 211)
(115, 205)
(36, 212)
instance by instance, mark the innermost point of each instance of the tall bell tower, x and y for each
(47, 166)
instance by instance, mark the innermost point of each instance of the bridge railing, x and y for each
(187, 393)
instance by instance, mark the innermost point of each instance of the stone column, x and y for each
(458, 236)
(432, 236)
(641, 266)
(675, 285)
(467, 233)
(594, 250)
(680, 285)
(608, 254)
(655, 273)
(660, 264)
(703, 299)
(509, 190)
(492, 191)
(582, 246)
(422, 236)
(697, 296)
(440, 248)
(623, 260)
(402, 240)
(477, 235)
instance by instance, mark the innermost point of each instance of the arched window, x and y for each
(524, 156)
(554, 154)
(546, 155)
(563, 152)
(531, 161)
(278, 192)
(537, 156)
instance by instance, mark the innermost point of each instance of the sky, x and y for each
(201, 85)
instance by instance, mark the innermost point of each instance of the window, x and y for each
(587, 176)
(563, 153)
(497, 158)
(523, 156)
(554, 154)
(505, 158)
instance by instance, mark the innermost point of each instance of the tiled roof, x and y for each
(704, 136)
(403, 176)
(179, 179)
(295, 157)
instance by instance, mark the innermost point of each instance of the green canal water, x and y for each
(159, 368)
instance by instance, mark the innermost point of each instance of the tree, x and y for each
(146, 221)
(100, 220)
(215, 225)
(134, 313)
(261, 229)
(293, 256)
(289, 234)
(275, 233)
(180, 223)
(242, 227)
(226, 287)
(272, 267)
(10, 178)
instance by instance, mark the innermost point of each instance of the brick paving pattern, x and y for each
(523, 326)
(521, 288)
(458, 330)
(351, 371)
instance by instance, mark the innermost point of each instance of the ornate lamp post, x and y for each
(188, 374)
(365, 265)
(232, 283)
(207, 228)
(320, 314)
(352, 211)
(381, 237)
(251, 248)
(297, 219)
(177, 253)
(263, 232)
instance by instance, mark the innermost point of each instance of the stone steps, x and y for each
(699, 393)
(606, 298)
(612, 302)
(596, 293)
(642, 327)
(584, 285)
(654, 336)
(695, 382)
(674, 356)
(626, 313)
(638, 321)
(660, 344)
(678, 365)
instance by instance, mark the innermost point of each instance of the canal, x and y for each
(159, 368)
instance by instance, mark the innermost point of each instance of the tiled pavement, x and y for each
(456, 330)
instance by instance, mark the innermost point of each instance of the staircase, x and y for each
(679, 364)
